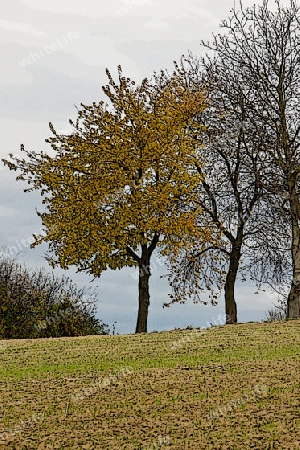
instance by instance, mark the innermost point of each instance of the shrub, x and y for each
(38, 304)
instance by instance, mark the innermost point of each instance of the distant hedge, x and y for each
(34, 304)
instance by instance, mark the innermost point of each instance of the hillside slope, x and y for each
(233, 387)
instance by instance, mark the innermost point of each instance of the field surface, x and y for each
(233, 387)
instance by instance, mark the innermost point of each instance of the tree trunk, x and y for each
(293, 304)
(144, 297)
(230, 304)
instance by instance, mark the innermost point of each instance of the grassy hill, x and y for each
(233, 387)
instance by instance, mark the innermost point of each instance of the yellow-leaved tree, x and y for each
(122, 183)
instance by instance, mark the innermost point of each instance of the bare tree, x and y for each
(260, 51)
(243, 189)
(230, 193)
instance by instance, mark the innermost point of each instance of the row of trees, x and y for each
(36, 304)
(201, 164)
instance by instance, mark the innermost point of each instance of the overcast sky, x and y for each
(54, 54)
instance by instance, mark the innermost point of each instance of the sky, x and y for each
(54, 55)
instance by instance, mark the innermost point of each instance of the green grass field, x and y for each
(233, 387)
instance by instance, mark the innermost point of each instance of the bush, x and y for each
(37, 304)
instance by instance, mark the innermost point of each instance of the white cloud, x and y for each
(88, 8)
(7, 212)
(22, 27)
(157, 24)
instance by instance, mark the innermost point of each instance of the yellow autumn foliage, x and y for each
(124, 181)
